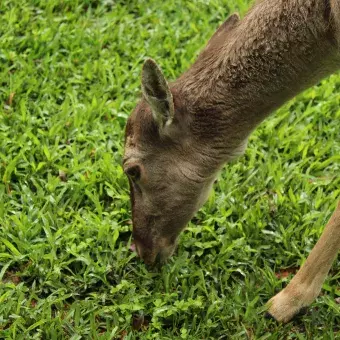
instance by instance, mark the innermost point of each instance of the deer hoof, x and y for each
(284, 306)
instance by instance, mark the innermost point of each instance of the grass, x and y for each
(69, 77)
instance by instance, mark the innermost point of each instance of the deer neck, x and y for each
(279, 49)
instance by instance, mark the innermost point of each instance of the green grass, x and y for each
(69, 77)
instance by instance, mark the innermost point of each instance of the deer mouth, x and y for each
(150, 256)
(147, 255)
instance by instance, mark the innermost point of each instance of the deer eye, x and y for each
(134, 172)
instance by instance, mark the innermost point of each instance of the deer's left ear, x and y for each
(157, 93)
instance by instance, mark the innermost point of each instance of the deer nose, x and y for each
(148, 255)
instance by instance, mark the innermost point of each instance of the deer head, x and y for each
(169, 177)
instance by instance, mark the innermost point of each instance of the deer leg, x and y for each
(306, 284)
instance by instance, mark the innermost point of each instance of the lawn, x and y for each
(69, 78)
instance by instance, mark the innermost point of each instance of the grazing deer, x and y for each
(181, 134)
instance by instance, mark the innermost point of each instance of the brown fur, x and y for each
(180, 135)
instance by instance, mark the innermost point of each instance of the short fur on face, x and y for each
(171, 186)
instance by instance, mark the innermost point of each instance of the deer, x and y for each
(182, 133)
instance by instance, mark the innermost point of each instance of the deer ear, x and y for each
(157, 93)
